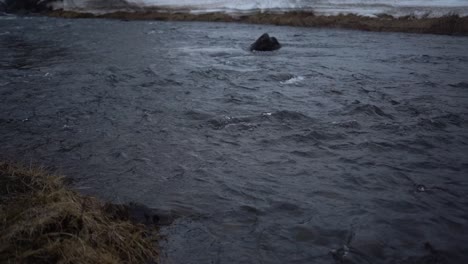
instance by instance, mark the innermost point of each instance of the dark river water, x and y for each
(342, 147)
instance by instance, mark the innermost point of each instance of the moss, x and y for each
(42, 221)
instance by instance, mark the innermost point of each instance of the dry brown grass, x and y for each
(448, 25)
(42, 221)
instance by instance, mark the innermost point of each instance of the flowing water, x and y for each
(342, 147)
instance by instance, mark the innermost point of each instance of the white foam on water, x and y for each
(293, 80)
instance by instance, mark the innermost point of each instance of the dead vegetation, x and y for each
(42, 221)
(447, 25)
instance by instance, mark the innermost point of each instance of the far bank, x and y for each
(446, 25)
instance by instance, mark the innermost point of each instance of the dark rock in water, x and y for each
(265, 43)
(140, 213)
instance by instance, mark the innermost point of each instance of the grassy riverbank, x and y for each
(447, 25)
(43, 221)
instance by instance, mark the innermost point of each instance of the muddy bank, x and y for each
(447, 25)
(42, 221)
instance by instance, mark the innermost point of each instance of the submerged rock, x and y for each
(265, 43)
(140, 213)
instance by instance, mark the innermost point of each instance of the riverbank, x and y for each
(446, 25)
(43, 221)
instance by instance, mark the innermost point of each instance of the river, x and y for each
(342, 147)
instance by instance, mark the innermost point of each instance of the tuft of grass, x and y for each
(42, 221)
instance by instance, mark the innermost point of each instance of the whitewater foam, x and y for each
(293, 80)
